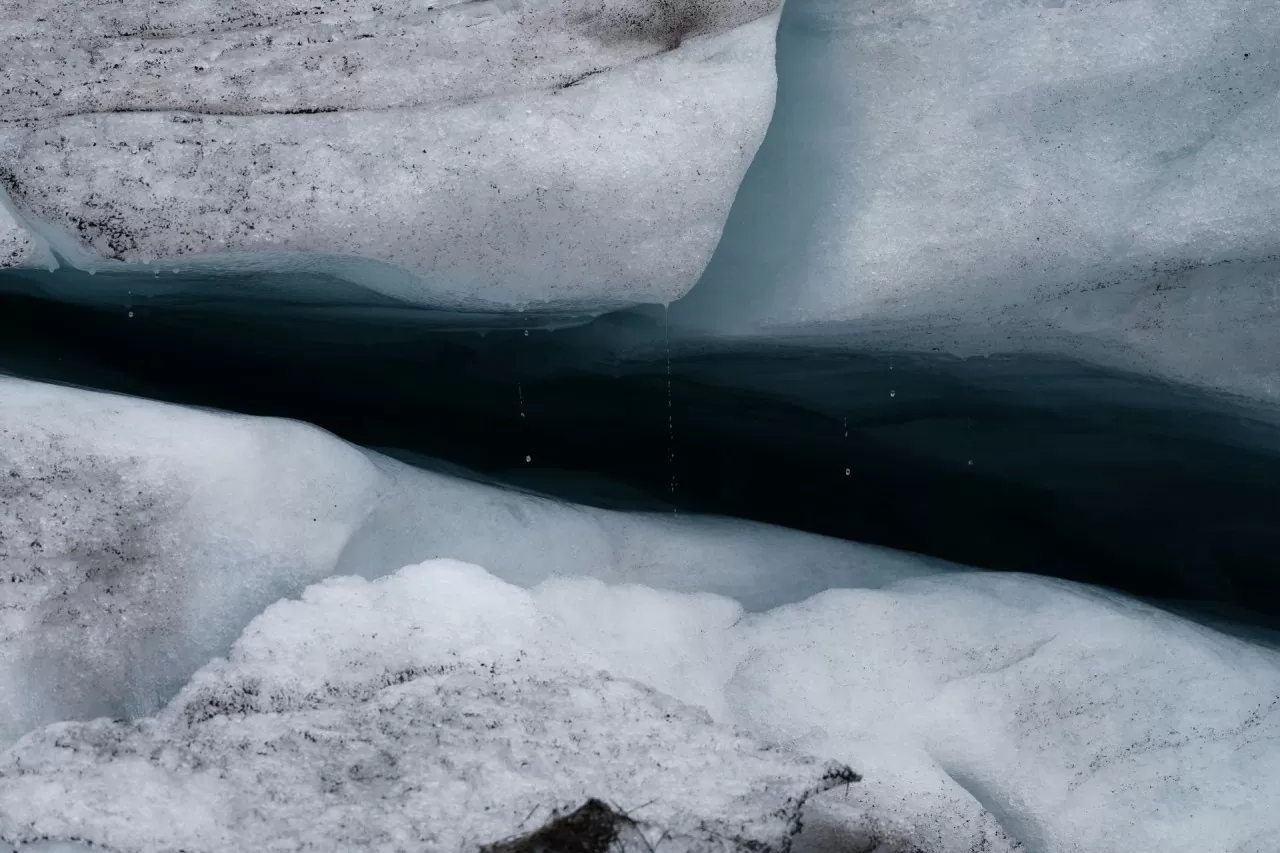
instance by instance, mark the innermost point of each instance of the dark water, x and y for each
(1014, 463)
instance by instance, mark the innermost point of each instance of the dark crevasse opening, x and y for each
(1013, 463)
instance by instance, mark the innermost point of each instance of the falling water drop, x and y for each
(846, 472)
(130, 315)
(893, 393)
(528, 459)
(526, 333)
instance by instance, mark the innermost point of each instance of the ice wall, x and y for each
(137, 539)
(1092, 179)
(456, 155)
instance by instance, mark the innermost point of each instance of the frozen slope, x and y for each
(435, 710)
(456, 155)
(1075, 178)
(137, 539)
(984, 712)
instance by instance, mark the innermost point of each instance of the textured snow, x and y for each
(985, 712)
(137, 539)
(456, 154)
(18, 247)
(436, 709)
(978, 705)
(1075, 177)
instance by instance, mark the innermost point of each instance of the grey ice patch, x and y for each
(18, 246)
(433, 710)
(462, 151)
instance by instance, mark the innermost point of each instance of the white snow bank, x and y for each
(1077, 720)
(470, 155)
(985, 712)
(1065, 176)
(436, 709)
(137, 540)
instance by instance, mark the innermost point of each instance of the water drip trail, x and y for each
(847, 471)
(520, 400)
(671, 427)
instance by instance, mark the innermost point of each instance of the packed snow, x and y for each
(1099, 180)
(18, 246)
(435, 710)
(137, 539)
(456, 155)
(984, 712)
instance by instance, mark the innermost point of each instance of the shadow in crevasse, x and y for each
(1013, 463)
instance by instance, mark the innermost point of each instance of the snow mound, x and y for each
(456, 155)
(981, 707)
(138, 539)
(435, 709)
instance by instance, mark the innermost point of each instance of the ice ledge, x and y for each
(493, 156)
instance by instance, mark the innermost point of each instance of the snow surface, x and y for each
(18, 247)
(436, 709)
(1095, 179)
(137, 539)
(457, 155)
(985, 712)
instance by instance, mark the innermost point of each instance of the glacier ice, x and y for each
(455, 155)
(436, 709)
(137, 539)
(984, 712)
(1092, 179)
(18, 246)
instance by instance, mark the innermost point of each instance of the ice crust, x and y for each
(455, 155)
(985, 712)
(434, 710)
(1092, 179)
(137, 539)
(18, 246)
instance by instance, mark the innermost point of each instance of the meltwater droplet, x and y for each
(970, 461)
(526, 333)
(893, 393)
(528, 459)
(130, 314)
(846, 472)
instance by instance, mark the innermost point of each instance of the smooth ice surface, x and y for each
(436, 709)
(137, 539)
(456, 155)
(1073, 177)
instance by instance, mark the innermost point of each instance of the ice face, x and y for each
(1080, 178)
(138, 539)
(456, 155)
